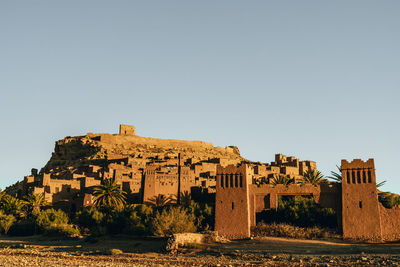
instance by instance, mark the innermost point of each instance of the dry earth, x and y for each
(40, 251)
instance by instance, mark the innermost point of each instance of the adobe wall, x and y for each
(157, 182)
(266, 196)
(360, 210)
(232, 217)
(390, 220)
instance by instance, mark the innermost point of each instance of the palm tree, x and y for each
(380, 184)
(35, 202)
(185, 198)
(161, 200)
(281, 179)
(313, 177)
(336, 176)
(13, 206)
(109, 195)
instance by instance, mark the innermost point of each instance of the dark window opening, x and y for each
(236, 180)
(233, 205)
(226, 180)
(231, 180)
(358, 177)
(369, 176)
(353, 177)
(364, 177)
(348, 177)
(222, 180)
(360, 204)
(241, 180)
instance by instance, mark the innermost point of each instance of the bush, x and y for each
(389, 200)
(115, 251)
(203, 214)
(91, 220)
(131, 221)
(139, 220)
(300, 211)
(64, 230)
(50, 217)
(173, 220)
(287, 230)
(25, 227)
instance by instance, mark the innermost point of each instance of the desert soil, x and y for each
(40, 251)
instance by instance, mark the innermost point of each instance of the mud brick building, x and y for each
(361, 216)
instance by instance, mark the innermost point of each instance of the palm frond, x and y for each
(336, 176)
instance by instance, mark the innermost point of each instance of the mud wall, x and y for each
(390, 221)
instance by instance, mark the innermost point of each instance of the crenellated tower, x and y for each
(360, 210)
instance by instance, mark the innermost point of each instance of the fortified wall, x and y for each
(361, 216)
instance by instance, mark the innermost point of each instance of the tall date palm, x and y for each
(313, 177)
(109, 195)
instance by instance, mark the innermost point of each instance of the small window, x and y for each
(226, 180)
(364, 177)
(369, 176)
(360, 204)
(231, 180)
(353, 177)
(358, 177)
(233, 205)
(236, 180)
(241, 180)
(222, 180)
(348, 177)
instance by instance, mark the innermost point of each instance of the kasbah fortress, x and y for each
(147, 167)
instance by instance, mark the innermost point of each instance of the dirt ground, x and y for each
(42, 251)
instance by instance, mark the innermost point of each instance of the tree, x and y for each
(161, 200)
(380, 184)
(185, 199)
(109, 195)
(6, 221)
(13, 206)
(336, 176)
(313, 177)
(35, 202)
(281, 179)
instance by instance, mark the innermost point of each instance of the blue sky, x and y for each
(315, 79)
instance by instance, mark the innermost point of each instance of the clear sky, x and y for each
(319, 80)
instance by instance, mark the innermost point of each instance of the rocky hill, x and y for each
(74, 151)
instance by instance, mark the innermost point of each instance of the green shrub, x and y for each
(203, 214)
(51, 217)
(64, 230)
(90, 218)
(115, 251)
(389, 200)
(173, 220)
(299, 211)
(25, 227)
(287, 230)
